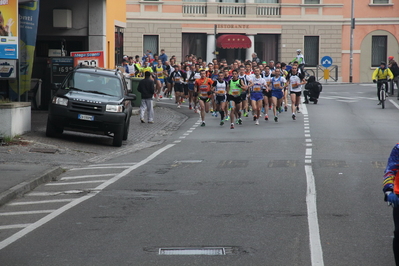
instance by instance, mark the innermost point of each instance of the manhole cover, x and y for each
(332, 163)
(192, 251)
(381, 165)
(43, 150)
(233, 164)
(282, 163)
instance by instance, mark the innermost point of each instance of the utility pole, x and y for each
(351, 41)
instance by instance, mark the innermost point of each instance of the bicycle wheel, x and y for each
(382, 95)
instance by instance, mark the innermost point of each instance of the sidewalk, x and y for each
(38, 159)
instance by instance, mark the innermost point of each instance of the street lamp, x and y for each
(351, 41)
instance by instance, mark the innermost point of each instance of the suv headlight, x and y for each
(60, 101)
(114, 108)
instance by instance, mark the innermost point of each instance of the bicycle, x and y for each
(383, 85)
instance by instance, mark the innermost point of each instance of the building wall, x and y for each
(292, 19)
(115, 16)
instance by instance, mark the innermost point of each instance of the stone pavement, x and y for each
(36, 159)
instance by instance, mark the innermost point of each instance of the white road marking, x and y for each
(394, 103)
(38, 202)
(111, 164)
(77, 201)
(74, 183)
(316, 252)
(85, 176)
(25, 212)
(14, 226)
(100, 167)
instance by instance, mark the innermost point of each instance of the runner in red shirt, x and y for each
(203, 88)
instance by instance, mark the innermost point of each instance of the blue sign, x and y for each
(326, 61)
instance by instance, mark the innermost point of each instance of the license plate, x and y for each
(86, 117)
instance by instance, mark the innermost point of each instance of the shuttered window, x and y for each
(312, 2)
(378, 50)
(150, 43)
(311, 52)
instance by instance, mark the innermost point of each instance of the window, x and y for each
(231, 1)
(118, 45)
(380, 1)
(150, 42)
(311, 2)
(311, 52)
(266, 1)
(378, 50)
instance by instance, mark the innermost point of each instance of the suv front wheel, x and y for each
(118, 136)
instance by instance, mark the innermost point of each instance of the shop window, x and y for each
(378, 50)
(150, 43)
(118, 45)
(311, 52)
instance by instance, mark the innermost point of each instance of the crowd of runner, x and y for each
(231, 91)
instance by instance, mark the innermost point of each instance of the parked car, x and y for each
(91, 100)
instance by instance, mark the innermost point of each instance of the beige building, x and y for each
(273, 29)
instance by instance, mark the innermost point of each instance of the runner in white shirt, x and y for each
(247, 80)
(258, 84)
(295, 81)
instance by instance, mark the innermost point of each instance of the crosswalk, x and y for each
(51, 197)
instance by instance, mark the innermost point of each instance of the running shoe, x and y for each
(315, 101)
(293, 116)
(275, 119)
(227, 118)
(211, 110)
(178, 105)
(160, 96)
(213, 114)
(245, 114)
(257, 122)
(297, 110)
(286, 108)
(221, 122)
(280, 110)
(195, 110)
(183, 100)
(232, 126)
(239, 121)
(255, 117)
(216, 114)
(202, 124)
(263, 110)
(266, 117)
(379, 103)
(142, 120)
(190, 107)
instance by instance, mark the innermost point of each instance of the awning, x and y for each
(230, 41)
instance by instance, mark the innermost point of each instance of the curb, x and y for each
(29, 185)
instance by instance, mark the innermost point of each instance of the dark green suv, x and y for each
(91, 100)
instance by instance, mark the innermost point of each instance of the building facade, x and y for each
(274, 29)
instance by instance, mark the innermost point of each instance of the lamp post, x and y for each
(351, 41)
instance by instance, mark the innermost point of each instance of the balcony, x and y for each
(204, 9)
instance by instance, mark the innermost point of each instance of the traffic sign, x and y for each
(326, 61)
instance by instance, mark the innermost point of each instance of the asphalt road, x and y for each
(304, 192)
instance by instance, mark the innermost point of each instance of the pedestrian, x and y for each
(255, 58)
(393, 66)
(146, 88)
(391, 191)
(312, 90)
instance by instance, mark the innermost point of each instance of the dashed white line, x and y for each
(39, 202)
(14, 226)
(75, 183)
(25, 212)
(85, 176)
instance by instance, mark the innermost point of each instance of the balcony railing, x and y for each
(194, 9)
(229, 9)
(202, 9)
(268, 11)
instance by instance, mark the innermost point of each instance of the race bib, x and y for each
(276, 85)
(159, 74)
(294, 85)
(256, 88)
(177, 79)
(235, 92)
(221, 92)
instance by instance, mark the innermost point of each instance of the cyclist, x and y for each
(300, 59)
(381, 73)
(391, 190)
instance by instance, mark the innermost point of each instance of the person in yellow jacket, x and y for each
(381, 74)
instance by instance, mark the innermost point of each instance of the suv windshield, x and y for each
(94, 83)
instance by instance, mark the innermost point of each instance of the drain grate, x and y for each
(283, 163)
(43, 150)
(233, 164)
(192, 251)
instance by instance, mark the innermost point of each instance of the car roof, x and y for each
(99, 71)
